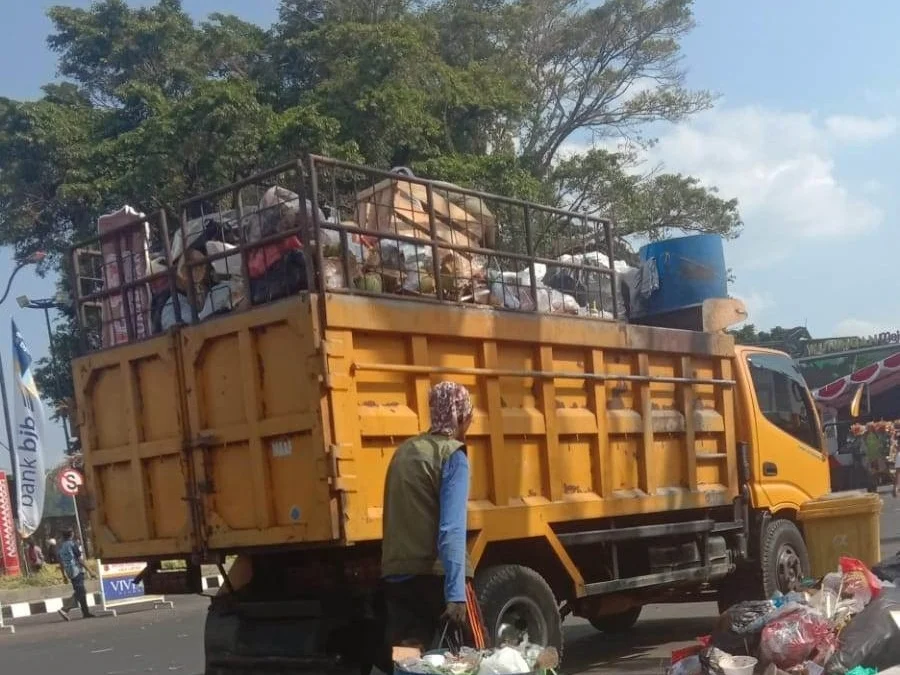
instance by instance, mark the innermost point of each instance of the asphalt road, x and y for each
(171, 640)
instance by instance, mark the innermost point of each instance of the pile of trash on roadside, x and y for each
(846, 624)
(524, 659)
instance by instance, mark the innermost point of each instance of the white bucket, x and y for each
(737, 665)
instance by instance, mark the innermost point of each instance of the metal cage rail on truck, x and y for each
(535, 237)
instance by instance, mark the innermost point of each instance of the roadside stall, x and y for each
(863, 452)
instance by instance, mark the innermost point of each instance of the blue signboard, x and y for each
(121, 588)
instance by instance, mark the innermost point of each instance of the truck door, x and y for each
(789, 464)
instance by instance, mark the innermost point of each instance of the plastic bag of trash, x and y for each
(689, 665)
(710, 661)
(859, 582)
(737, 630)
(278, 211)
(505, 661)
(872, 638)
(502, 293)
(555, 302)
(795, 637)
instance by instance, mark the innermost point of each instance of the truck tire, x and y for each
(516, 600)
(784, 560)
(617, 623)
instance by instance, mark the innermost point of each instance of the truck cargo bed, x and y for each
(275, 426)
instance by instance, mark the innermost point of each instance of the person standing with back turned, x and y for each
(424, 559)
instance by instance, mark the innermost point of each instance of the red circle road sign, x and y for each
(70, 481)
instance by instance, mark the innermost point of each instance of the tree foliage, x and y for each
(494, 94)
(749, 335)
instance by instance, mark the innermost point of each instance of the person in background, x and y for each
(71, 559)
(52, 552)
(35, 556)
(424, 559)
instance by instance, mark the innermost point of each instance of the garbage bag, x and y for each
(278, 211)
(793, 638)
(859, 581)
(687, 666)
(710, 659)
(286, 277)
(738, 628)
(888, 570)
(505, 661)
(872, 638)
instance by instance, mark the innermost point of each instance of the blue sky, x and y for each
(806, 136)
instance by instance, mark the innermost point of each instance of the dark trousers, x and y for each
(79, 597)
(413, 609)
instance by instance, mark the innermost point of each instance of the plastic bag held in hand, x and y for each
(505, 661)
(791, 639)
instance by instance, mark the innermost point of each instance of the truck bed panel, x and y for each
(278, 423)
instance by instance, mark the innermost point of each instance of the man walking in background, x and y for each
(71, 560)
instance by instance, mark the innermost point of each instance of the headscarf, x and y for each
(450, 406)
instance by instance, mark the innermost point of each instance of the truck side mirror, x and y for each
(856, 403)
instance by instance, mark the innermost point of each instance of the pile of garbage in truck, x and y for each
(389, 260)
(380, 263)
(847, 623)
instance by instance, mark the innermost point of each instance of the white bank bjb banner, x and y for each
(28, 437)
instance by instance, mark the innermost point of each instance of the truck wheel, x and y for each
(617, 623)
(516, 601)
(783, 557)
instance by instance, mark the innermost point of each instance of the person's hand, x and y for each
(455, 614)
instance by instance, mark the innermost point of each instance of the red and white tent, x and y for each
(880, 377)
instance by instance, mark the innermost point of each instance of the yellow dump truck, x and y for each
(613, 465)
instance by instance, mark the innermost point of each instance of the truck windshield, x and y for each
(783, 397)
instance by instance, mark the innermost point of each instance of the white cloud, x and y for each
(857, 129)
(862, 327)
(756, 303)
(781, 168)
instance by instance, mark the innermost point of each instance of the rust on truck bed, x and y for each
(272, 424)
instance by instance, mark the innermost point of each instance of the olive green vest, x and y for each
(412, 506)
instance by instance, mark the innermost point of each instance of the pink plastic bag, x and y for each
(797, 637)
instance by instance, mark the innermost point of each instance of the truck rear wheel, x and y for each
(516, 601)
(784, 559)
(617, 623)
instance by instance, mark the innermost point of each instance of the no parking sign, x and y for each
(69, 481)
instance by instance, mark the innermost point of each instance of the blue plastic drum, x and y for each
(691, 270)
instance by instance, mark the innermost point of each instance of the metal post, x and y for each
(78, 523)
(9, 438)
(55, 364)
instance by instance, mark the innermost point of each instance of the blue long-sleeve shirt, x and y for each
(451, 543)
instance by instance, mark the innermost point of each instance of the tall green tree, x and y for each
(499, 95)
